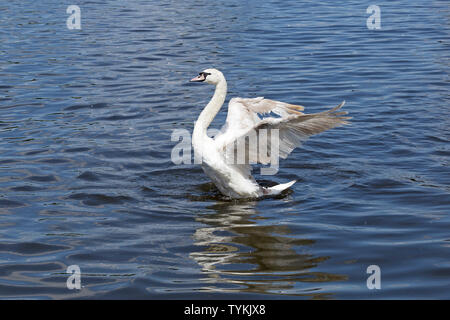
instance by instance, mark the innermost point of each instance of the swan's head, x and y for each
(211, 76)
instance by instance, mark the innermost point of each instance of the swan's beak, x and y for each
(201, 77)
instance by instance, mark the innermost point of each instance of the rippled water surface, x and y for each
(86, 176)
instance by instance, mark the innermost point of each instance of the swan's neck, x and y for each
(209, 112)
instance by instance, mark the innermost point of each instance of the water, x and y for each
(86, 178)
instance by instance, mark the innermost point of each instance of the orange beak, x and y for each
(201, 77)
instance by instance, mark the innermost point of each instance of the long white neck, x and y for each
(209, 112)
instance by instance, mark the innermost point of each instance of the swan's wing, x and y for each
(245, 113)
(263, 106)
(293, 128)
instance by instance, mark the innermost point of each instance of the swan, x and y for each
(245, 115)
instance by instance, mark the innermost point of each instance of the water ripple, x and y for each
(86, 178)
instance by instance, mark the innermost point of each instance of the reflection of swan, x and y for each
(287, 131)
(239, 254)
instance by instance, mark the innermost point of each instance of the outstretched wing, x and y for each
(288, 131)
(244, 114)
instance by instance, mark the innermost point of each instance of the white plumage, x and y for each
(227, 157)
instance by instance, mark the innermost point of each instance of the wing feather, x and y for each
(288, 131)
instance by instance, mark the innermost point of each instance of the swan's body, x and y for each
(233, 178)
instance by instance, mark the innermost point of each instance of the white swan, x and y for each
(233, 178)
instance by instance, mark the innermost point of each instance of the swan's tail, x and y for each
(279, 188)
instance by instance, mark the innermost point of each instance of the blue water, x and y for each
(86, 177)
